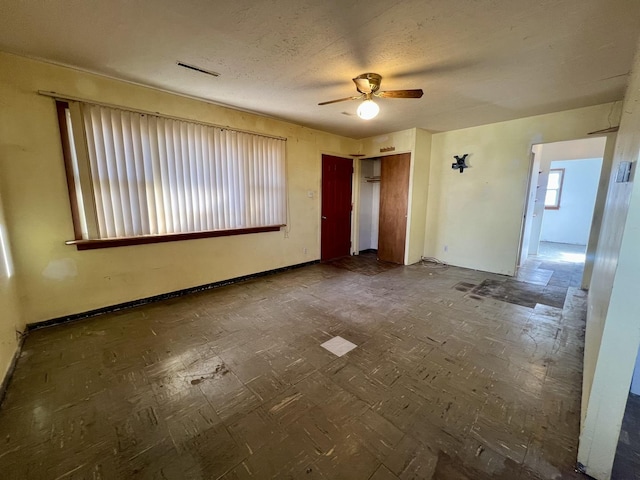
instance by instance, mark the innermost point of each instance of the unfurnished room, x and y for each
(292, 239)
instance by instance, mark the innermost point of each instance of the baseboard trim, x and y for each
(4, 385)
(157, 298)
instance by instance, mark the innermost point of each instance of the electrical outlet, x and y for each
(446, 248)
(304, 250)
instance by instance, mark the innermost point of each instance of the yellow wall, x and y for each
(57, 280)
(402, 142)
(10, 321)
(474, 219)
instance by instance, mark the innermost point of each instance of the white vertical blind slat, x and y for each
(95, 145)
(221, 204)
(254, 212)
(234, 157)
(129, 177)
(146, 146)
(141, 218)
(154, 168)
(115, 157)
(179, 168)
(199, 203)
(225, 181)
(164, 153)
(206, 180)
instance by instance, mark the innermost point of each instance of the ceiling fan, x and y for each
(368, 84)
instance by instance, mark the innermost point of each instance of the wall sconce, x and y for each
(460, 162)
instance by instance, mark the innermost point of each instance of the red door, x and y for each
(335, 226)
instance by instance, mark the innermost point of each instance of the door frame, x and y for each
(601, 195)
(527, 216)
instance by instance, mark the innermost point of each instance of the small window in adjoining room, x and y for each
(554, 189)
(141, 178)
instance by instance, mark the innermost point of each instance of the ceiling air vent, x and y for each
(198, 69)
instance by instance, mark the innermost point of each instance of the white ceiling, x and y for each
(478, 61)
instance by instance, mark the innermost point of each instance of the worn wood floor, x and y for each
(232, 383)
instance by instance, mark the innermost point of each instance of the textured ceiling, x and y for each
(478, 61)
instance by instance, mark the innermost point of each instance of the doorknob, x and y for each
(323, 217)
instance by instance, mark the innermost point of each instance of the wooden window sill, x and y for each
(143, 240)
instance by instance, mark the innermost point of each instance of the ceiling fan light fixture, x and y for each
(368, 110)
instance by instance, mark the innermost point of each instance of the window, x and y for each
(554, 189)
(134, 175)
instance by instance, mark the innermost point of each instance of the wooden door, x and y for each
(335, 225)
(394, 201)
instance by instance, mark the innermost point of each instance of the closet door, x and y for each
(394, 200)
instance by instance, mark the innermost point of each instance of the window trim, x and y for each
(172, 237)
(556, 206)
(62, 105)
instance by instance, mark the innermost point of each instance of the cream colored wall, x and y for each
(613, 331)
(10, 320)
(57, 280)
(474, 219)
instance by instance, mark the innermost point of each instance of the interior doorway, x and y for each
(566, 184)
(383, 206)
(570, 197)
(335, 224)
(369, 205)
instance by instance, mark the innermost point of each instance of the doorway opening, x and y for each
(567, 183)
(383, 207)
(369, 202)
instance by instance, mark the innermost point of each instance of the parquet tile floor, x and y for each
(232, 383)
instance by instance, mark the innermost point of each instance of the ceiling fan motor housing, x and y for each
(368, 82)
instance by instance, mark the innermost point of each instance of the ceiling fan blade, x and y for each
(341, 100)
(363, 85)
(416, 93)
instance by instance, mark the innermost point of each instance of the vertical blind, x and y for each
(154, 175)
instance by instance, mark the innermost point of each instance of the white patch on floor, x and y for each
(338, 346)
